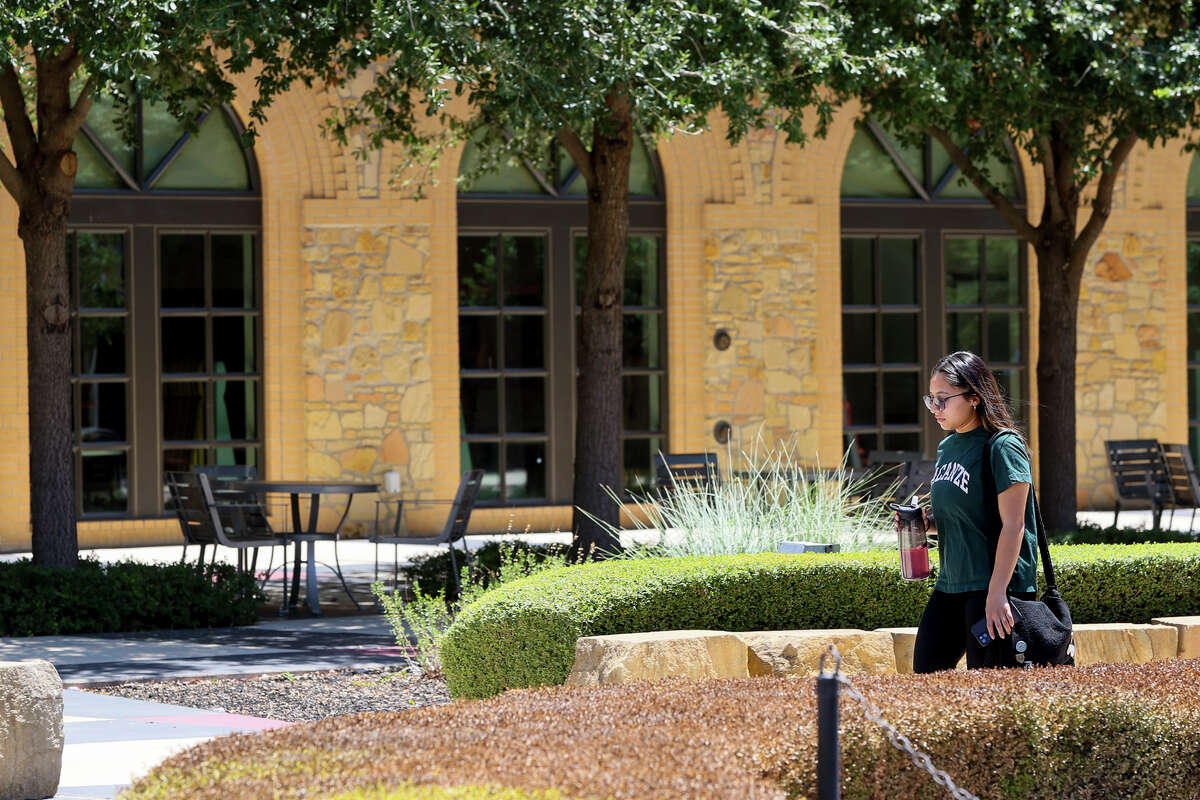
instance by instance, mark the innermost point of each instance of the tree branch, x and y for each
(574, 146)
(65, 55)
(83, 104)
(11, 179)
(1011, 213)
(1053, 198)
(16, 116)
(1102, 205)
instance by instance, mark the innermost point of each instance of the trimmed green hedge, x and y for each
(523, 633)
(94, 598)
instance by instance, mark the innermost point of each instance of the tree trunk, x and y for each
(43, 229)
(598, 419)
(1058, 293)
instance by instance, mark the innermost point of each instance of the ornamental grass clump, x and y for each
(420, 620)
(773, 497)
(1104, 731)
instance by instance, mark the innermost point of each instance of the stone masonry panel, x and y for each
(1122, 357)
(759, 285)
(368, 382)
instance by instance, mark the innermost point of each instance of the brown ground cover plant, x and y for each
(1104, 731)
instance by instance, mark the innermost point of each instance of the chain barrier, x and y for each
(898, 739)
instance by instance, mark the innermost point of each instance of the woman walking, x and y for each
(974, 582)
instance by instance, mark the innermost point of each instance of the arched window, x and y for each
(1193, 306)
(164, 251)
(522, 248)
(928, 267)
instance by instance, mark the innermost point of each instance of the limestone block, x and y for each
(364, 359)
(403, 258)
(419, 308)
(903, 642)
(374, 416)
(395, 448)
(360, 459)
(396, 369)
(323, 425)
(799, 652)
(1189, 634)
(386, 318)
(417, 405)
(627, 657)
(335, 331)
(366, 243)
(1113, 268)
(734, 300)
(31, 729)
(1121, 642)
(421, 463)
(321, 466)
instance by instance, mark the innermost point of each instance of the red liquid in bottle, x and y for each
(914, 563)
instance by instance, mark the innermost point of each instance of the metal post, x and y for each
(829, 756)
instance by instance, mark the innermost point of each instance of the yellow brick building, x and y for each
(356, 368)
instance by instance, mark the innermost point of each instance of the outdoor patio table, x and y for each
(309, 533)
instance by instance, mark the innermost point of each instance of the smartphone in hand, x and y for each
(980, 632)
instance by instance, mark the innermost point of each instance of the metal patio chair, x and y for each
(682, 472)
(1138, 474)
(390, 527)
(238, 525)
(1182, 478)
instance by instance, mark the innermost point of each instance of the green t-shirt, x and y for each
(956, 492)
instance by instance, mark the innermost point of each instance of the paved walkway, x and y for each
(110, 741)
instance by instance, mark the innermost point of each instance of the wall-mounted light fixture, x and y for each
(722, 432)
(722, 339)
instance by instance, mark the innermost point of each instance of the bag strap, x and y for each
(991, 505)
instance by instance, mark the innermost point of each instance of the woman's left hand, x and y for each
(998, 614)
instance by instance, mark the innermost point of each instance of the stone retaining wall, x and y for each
(623, 658)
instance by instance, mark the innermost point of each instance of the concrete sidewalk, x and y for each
(112, 741)
(279, 645)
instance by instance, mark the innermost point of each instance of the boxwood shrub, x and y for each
(127, 596)
(523, 633)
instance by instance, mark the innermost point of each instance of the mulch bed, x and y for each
(303, 697)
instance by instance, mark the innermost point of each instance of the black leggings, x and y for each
(945, 631)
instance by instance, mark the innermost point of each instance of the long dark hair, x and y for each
(968, 372)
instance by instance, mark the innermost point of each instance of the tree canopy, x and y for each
(57, 58)
(591, 75)
(1076, 84)
(532, 70)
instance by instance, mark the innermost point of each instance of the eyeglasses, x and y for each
(939, 403)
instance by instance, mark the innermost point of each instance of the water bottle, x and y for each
(914, 547)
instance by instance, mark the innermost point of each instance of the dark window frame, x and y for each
(561, 219)
(1192, 365)
(142, 215)
(931, 223)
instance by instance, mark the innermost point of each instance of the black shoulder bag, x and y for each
(1042, 632)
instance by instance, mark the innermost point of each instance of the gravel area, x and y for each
(304, 697)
